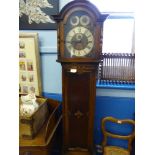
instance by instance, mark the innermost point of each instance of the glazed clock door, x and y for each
(79, 35)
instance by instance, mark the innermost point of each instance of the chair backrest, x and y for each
(107, 134)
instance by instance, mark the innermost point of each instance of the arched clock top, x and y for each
(80, 26)
(80, 4)
(77, 10)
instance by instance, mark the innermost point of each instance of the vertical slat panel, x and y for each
(117, 67)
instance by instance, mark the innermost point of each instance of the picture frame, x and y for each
(29, 64)
(42, 14)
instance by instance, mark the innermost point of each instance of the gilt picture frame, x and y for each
(29, 64)
(37, 15)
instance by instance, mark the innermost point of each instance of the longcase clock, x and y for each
(80, 27)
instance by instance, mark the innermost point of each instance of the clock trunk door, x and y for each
(77, 109)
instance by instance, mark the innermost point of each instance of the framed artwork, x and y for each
(29, 64)
(37, 14)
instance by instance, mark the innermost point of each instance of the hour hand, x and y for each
(79, 37)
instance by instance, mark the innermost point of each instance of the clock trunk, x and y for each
(78, 107)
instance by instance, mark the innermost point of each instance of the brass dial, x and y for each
(79, 41)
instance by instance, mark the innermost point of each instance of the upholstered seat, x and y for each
(113, 150)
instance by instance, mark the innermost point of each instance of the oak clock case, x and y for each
(80, 27)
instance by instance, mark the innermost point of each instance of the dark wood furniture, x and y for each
(108, 150)
(48, 137)
(80, 26)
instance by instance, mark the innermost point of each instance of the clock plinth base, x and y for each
(77, 153)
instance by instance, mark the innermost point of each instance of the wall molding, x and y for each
(115, 92)
(48, 50)
(52, 96)
(59, 96)
(46, 53)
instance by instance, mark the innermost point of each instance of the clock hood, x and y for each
(82, 3)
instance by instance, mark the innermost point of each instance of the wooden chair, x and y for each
(115, 150)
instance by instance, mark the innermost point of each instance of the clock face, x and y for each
(79, 41)
(79, 35)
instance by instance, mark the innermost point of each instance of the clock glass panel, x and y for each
(79, 35)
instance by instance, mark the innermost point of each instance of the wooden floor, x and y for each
(77, 153)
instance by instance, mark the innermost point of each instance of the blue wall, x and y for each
(119, 103)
